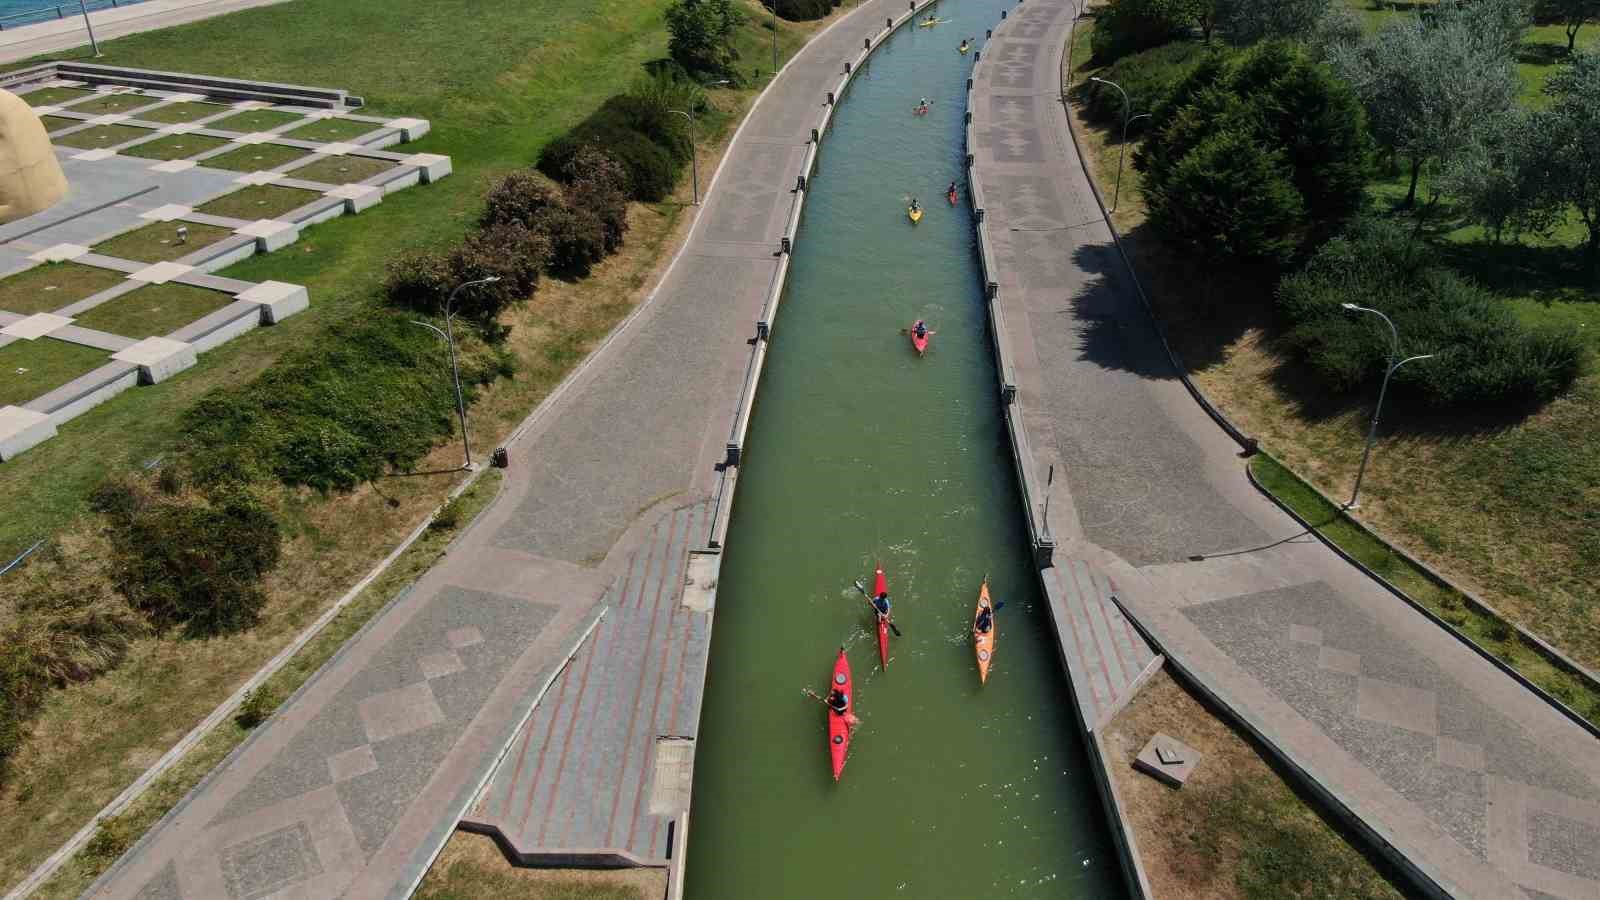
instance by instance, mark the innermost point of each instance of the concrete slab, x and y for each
(270, 234)
(21, 429)
(160, 273)
(1167, 760)
(158, 358)
(35, 326)
(59, 253)
(278, 300)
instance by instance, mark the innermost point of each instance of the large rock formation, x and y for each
(30, 176)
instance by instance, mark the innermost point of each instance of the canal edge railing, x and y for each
(1130, 862)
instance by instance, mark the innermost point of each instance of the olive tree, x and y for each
(1250, 21)
(1427, 82)
(1568, 135)
(1571, 14)
(701, 34)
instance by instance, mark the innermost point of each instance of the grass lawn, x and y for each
(31, 368)
(178, 113)
(55, 96)
(113, 103)
(256, 120)
(50, 286)
(255, 157)
(1236, 828)
(471, 867)
(174, 146)
(258, 201)
(331, 130)
(1504, 506)
(158, 241)
(101, 136)
(538, 67)
(56, 123)
(341, 169)
(154, 310)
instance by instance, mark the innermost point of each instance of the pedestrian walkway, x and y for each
(1104, 656)
(69, 32)
(1476, 784)
(355, 784)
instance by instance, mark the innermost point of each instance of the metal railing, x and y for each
(59, 11)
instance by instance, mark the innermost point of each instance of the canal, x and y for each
(860, 451)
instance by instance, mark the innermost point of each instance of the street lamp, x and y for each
(1127, 107)
(83, 7)
(694, 149)
(774, 37)
(1394, 365)
(449, 336)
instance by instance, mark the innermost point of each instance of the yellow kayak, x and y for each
(914, 213)
(963, 48)
(929, 23)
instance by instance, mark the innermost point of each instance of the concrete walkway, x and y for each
(56, 35)
(1485, 790)
(358, 780)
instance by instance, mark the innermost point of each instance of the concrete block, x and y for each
(411, 128)
(1167, 759)
(270, 234)
(110, 119)
(59, 253)
(94, 155)
(46, 110)
(254, 137)
(278, 300)
(251, 104)
(357, 197)
(173, 166)
(338, 148)
(700, 588)
(167, 213)
(35, 326)
(180, 128)
(185, 98)
(261, 177)
(22, 428)
(161, 272)
(432, 166)
(157, 358)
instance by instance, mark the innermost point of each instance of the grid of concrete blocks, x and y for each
(153, 359)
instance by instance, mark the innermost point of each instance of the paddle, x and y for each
(931, 332)
(892, 627)
(849, 717)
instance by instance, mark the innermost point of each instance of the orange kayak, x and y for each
(983, 641)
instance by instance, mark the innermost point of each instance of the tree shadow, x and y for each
(1548, 274)
(1541, 53)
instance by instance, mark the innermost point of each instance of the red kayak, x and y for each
(839, 724)
(920, 344)
(880, 586)
(951, 197)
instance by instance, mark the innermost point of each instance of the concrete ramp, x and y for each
(604, 765)
(1105, 656)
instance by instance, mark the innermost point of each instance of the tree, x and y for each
(1570, 13)
(1251, 156)
(1568, 135)
(1251, 21)
(1498, 178)
(702, 33)
(1427, 82)
(1129, 26)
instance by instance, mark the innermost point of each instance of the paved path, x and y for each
(1479, 784)
(27, 41)
(358, 780)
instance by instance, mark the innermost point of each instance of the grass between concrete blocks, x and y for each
(31, 368)
(154, 310)
(158, 242)
(50, 286)
(1237, 828)
(119, 833)
(174, 146)
(542, 67)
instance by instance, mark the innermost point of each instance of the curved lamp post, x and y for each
(449, 336)
(1395, 362)
(1127, 107)
(694, 149)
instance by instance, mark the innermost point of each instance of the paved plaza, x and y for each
(238, 178)
(1481, 786)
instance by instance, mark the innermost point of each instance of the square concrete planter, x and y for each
(22, 428)
(278, 300)
(157, 358)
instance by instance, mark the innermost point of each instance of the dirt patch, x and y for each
(1236, 829)
(472, 866)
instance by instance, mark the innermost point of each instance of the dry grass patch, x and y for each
(1236, 829)
(471, 867)
(50, 286)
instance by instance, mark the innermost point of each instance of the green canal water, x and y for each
(860, 451)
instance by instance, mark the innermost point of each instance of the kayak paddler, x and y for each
(985, 620)
(838, 702)
(915, 206)
(922, 332)
(881, 604)
(964, 46)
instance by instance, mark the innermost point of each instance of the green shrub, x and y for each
(447, 517)
(577, 239)
(1484, 356)
(802, 10)
(598, 184)
(1252, 157)
(518, 197)
(258, 705)
(374, 396)
(511, 252)
(1122, 27)
(652, 170)
(702, 33)
(1148, 77)
(196, 561)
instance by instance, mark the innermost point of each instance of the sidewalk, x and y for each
(1474, 782)
(26, 41)
(354, 785)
